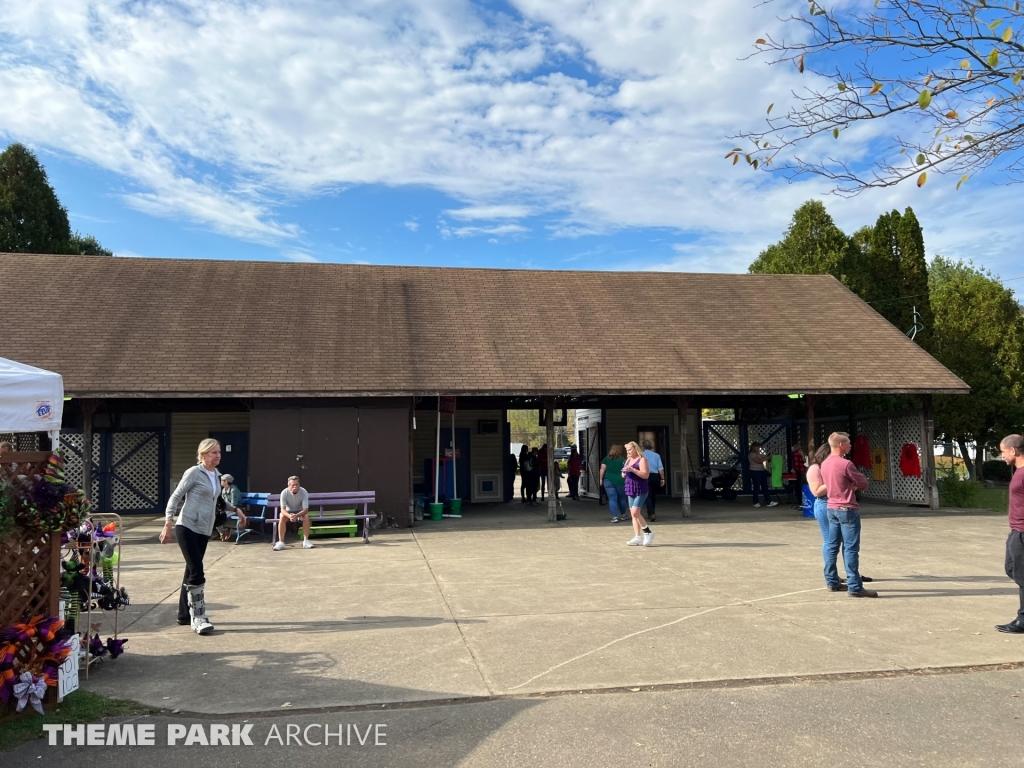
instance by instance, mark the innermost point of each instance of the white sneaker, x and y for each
(648, 538)
(279, 546)
(307, 544)
(758, 505)
(773, 504)
(636, 541)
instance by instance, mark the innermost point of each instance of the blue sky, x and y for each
(584, 134)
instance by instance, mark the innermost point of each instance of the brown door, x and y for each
(275, 444)
(659, 437)
(384, 459)
(330, 457)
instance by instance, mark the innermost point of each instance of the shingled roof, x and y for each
(120, 327)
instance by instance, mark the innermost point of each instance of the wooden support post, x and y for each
(810, 426)
(928, 450)
(683, 407)
(412, 462)
(549, 409)
(88, 411)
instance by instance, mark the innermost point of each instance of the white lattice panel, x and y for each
(905, 430)
(723, 440)
(773, 438)
(136, 471)
(877, 430)
(723, 447)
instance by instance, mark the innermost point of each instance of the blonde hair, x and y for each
(636, 448)
(205, 447)
(838, 438)
(615, 452)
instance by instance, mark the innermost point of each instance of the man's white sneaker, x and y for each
(636, 541)
(773, 504)
(307, 544)
(648, 538)
(279, 546)
(758, 505)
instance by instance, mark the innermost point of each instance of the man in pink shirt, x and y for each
(1013, 454)
(843, 480)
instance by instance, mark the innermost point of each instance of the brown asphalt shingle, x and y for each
(182, 327)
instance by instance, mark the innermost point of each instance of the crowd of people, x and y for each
(630, 477)
(532, 467)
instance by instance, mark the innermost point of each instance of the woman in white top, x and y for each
(194, 502)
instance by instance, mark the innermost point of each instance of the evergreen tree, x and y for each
(914, 291)
(32, 220)
(882, 269)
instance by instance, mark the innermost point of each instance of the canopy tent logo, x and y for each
(44, 410)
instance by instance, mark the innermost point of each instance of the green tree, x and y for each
(524, 429)
(892, 274)
(883, 267)
(914, 288)
(86, 245)
(813, 245)
(955, 67)
(32, 220)
(979, 335)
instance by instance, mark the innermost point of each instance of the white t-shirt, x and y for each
(212, 473)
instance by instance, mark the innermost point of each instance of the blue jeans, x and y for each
(844, 529)
(616, 500)
(759, 480)
(821, 515)
(637, 501)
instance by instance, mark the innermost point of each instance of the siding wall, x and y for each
(190, 429)
(621, 427)
(485, 451)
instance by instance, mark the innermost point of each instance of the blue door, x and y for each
(462, 464)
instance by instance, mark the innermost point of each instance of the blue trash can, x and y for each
(807, 501)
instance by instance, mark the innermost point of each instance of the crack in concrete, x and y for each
(452, 617)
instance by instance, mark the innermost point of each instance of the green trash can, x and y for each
(455, 506)
(436, 511)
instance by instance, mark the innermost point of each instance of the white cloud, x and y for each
(448, 231)
(297, 254)
(489, 212)
(412, 225)
(217, 111)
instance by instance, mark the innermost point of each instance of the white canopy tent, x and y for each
(31, 400)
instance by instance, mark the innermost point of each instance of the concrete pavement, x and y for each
(503, 603)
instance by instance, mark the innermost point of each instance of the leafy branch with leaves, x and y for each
(936, 86)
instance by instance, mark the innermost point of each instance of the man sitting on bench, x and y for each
(294, 506)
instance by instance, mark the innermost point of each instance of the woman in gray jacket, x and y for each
(196, 499)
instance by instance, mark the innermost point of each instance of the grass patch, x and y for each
(996, 499)
(78, 707)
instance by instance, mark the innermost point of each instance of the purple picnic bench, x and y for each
(335, 511)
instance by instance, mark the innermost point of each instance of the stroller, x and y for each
(718, 480)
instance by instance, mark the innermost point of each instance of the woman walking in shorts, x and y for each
(636, 471)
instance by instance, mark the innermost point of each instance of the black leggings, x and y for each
(193, 547)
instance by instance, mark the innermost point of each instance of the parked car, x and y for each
(563, 453)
